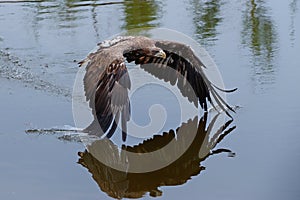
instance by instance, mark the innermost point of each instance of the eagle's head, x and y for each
(143, 55)
(157, 52)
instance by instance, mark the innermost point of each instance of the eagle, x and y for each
(107, 82)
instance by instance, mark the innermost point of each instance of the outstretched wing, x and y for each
(183, 67)
(106, 84)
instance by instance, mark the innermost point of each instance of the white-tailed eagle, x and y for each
(106, 81)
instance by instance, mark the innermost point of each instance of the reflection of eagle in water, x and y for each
(107, 82)
(122, 184)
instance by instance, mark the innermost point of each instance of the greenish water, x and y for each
(254, 44)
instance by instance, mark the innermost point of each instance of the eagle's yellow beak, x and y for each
(161, 54)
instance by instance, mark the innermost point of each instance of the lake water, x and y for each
(254, 44)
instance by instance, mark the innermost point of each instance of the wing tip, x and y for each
(224, 90)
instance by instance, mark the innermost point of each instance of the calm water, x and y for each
(254, 44)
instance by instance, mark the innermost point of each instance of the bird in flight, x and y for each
(106, 80)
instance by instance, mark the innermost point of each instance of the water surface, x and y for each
(254, 44)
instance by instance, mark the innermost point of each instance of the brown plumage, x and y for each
(106, 82)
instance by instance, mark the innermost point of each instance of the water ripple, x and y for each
(13, 68)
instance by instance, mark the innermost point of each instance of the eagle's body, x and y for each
(107, 82)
